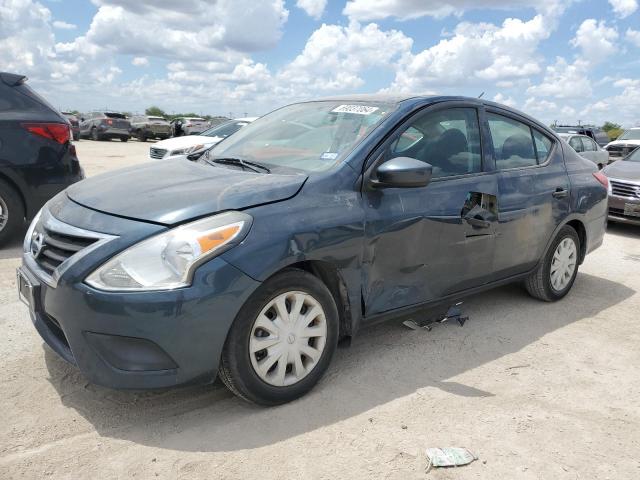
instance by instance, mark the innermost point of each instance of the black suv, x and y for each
(37, 159)
(105, 126)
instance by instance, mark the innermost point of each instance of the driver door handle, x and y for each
(476, 221)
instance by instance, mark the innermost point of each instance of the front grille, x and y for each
(56, 248)
(620, 151)
(157, 153)
(623, 189)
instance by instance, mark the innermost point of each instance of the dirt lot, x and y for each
(537, 391)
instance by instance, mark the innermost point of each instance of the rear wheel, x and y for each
(555, 275)
(141, 136)
(11, 212)
(124, 139)
(282, 341)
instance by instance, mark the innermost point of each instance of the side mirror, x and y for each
(402, 172)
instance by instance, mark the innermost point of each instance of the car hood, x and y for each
(170, 192)
(623, 170)
(186, 141)
(624, 142)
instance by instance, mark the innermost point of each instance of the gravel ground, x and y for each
(535, 390)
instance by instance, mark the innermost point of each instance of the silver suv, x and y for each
(146, 126)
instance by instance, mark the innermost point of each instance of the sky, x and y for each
(558, 60)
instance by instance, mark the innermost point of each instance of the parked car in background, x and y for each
(624, 197)
(105, 126)
(37, 158)
(587, 148)
(303, 227)
(188, 126)
(596, 133)
(75, 124)
(181, 147)
(145, 126)
(624, 144)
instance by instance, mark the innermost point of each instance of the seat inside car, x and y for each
(517, 151)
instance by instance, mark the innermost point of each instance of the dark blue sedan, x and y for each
(305, 226)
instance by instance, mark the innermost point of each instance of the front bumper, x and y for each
(617, 210)
(143, 339)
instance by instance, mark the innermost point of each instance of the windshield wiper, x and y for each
(256, 167)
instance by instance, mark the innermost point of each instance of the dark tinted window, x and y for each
(512, 142)
(115, 115)
(449, 140)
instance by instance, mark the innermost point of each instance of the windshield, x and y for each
(311, 136)
(634, 156)
(224, 130)
(630, 135)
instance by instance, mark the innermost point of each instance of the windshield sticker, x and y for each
(357, 109)
(329, 156)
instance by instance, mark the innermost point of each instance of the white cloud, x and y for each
(313, 8)
(408, 9)
(633, 36)
(505, 100)
(596, 40)
(60, 25)
(140, 61)
(334, 58)
(564, 80)
(477, 53)
(624, 8)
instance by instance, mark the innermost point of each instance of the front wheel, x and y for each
(555, 275)
(124, 139)
(11, 213)
(282, 340)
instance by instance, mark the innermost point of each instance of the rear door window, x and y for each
(543, 146)
(589, 145)
(576, 144)
(512, 142)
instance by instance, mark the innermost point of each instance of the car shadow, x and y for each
(13, 249)
(384, 363)
(623, 229)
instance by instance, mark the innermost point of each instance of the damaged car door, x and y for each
(423, 243)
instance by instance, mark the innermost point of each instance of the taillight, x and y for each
(602, 178)
(58, 132)
(109, 121)
(188, 125)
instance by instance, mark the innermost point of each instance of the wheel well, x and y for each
(330, 276)
(13, 185)
(578, 226)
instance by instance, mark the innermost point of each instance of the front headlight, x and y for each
(190, 150)
(168, 260)
(26, 244)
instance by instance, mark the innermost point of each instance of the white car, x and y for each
(586, 147)
(180, 147)
(624, 144)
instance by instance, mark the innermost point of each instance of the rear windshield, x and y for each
(157, 119)
(196, 119)
(26, 99)
(114, 115)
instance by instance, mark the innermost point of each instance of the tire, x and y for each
(141, 136)
(95, 136)
(540, 284)
(124, 139)
(76, 137)
(238, 367)
(12, 215)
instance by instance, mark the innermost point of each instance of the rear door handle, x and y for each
(560, 193)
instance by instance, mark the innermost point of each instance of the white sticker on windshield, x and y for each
(357, 109)
(329, 156)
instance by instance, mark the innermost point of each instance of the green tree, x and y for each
(155, 111)
(613, 130)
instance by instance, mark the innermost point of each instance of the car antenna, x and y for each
(480, 96)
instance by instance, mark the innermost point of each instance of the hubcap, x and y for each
(288, 338)
(4, 214)
(563, 264)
